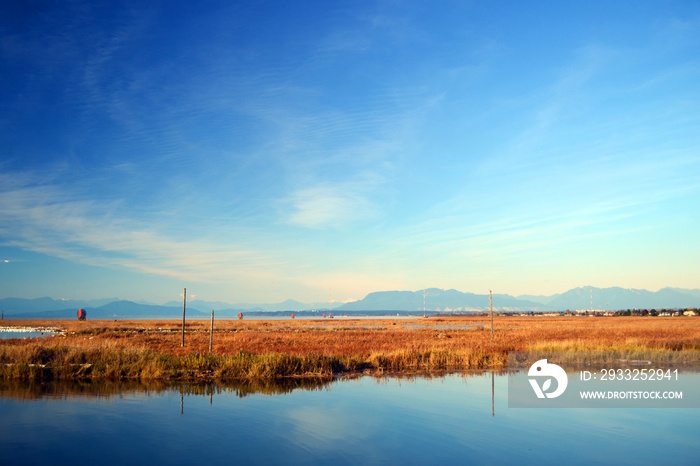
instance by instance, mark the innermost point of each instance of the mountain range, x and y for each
(436, 300)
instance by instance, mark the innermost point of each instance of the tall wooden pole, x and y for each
(491, 308)
(184, 301)
(211, 334)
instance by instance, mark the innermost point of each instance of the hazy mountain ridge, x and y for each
(20, 305)
(695, 293)
(436, 300)
(542, 299)
(624, 298)
(614, 298)
(288, 305)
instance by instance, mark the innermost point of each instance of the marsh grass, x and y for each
(436, 360)
(109, 361)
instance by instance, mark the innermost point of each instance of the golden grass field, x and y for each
(151, 349)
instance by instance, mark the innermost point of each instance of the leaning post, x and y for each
(211, 334)
(184, 300)
(491, 308)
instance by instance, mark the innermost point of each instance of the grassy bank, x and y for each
(49, 360)
(57, 360)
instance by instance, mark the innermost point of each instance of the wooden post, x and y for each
(491, 308)
(211, 334)
(184, 300)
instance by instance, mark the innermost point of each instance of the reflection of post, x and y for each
(211, 397)
(492, 392)
(182, 404)
(211, 334)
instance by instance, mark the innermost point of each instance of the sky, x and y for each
(272, 150)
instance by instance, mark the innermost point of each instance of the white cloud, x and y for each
(325, 207)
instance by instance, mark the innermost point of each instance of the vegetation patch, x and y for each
(107, 361)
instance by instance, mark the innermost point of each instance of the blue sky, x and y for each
(260, 151)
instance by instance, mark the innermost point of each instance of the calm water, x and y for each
(362, 421)
(24, 332)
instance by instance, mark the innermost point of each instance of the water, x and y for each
(475, 326)
(362, 421)
(25, 332)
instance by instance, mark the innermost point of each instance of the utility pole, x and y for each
(491, 308)
(184, 300)
(423, 302)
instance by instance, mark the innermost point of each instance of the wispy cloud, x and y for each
(46, 219)
(325, 207)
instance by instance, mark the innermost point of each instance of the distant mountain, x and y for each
(542, 299)
(695, 293)
(199, 304)
(614, 298)
(288, 305)
(129, 309)
(112, 310)
(437, 300)
(623, 298)
(12, 306)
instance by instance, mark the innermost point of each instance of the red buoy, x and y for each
(240, 315)
(82, 315)
(292, 316)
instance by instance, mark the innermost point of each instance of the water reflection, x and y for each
(413, 420)
(33, 390)
(493, 409)
(23, 390)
